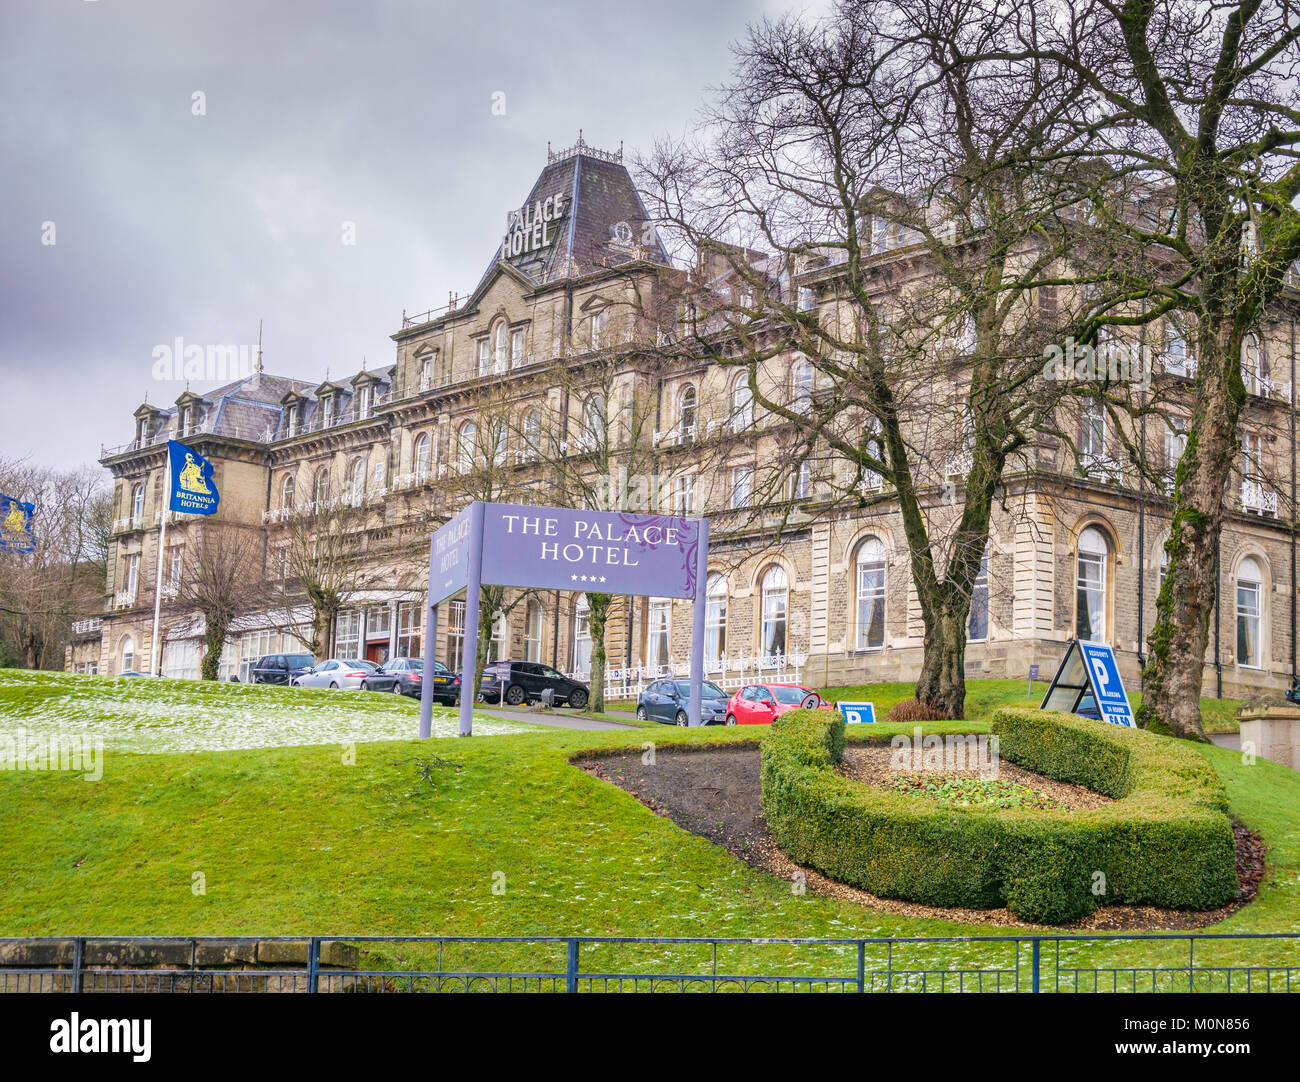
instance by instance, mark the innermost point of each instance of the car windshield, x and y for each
(789, 695)
(708, 690)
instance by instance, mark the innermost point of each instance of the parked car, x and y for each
(400, 675)
(134, 672)
(667, 701)
(280, 668)
(336, 673)
(513, 683)
(761, 704)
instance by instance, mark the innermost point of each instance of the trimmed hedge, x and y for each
(1166, 840)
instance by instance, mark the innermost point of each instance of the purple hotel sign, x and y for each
(554, 548)
(604, 552)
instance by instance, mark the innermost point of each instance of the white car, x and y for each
(337, 673)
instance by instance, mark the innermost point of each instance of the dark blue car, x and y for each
(667, 701)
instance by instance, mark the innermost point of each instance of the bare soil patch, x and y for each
(714, 792)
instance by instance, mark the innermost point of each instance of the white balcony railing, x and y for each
(1179, 365)
(87, 627)
(728, 673)
(124, 599)
(1256, 499)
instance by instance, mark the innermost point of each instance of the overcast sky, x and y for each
(168, 224)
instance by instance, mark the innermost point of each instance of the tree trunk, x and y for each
(1171, 682)
(215, 644)
(942, 683)
(598, 615)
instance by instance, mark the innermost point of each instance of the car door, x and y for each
(764, 705)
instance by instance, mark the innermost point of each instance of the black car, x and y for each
(401, 676)
(280, 668)
(513, 683)
(667, 701)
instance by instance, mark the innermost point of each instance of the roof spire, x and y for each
(259, 345)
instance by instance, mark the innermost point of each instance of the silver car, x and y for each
(336, 672)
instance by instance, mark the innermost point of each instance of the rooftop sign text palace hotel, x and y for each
(532, 227)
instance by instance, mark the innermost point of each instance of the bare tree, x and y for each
(220, 579)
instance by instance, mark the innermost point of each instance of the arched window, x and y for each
(715, 618)
(1092, 584)
(321, 487)
(137, 505)
(801, 384)
(742, 405)
(286, 492)
(582, 635)
(686, 407)
(870, 565)
(1250, 612)
(423, 455)
(1254, 365)
(465, 446)
(356, 481)
(501, 346)
(128, 654)
(532, 433)
(776, 605)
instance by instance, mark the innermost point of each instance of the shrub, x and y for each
(1166, 839)
(910, 710)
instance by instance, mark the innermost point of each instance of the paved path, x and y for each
(559, 719)
(1226, 740)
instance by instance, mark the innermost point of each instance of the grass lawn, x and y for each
(304, 840)
(150, 715)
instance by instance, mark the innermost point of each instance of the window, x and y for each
(187, 420)
(801, 384)
(483, 355)
(1175, 445)
(599, 324)
(128, 654)
(1250, 593)
(499, 442)
(715, 618)
(582, 635)
(742, 405)
(131, 576)
(294, 413)
(593, 423)
(1092, 435)
(327, 411)
(347, 635)
(502, 347)
(286, 491)
(871, 595)
(137, 505)
(1178, 358)
(465, 449)
(455, 634)
(142, 431)
(423, 456)
(801, 481)
(517, 347)
(686, 408)
(356, 484)
(532, 433)
(1090, 598)
(497, 643)
(175, 560)
(321, 487)
(879, 234)
(533, 631)
(409, 629)
(683, 494)
(742, 479)
(977, 624)
(424, 371)
(1254, 366)
(363, 401)
(873, 447)
(657, 635)
(775, 605)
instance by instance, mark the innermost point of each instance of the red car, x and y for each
(759, 704)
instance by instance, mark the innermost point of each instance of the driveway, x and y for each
(559, 719)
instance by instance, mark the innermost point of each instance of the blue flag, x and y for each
(192, 492)
(16, 525)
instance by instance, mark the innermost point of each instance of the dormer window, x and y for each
(143, 431)
(327, 411)
(599, 324)
(187, 420)
(293, 419)
(363, 401)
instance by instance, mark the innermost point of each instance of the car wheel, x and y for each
(682, 719)
(333, 686)
(578, 699)
(514, 695)
(641, 714)
(731, 719)
(397, 688)
(365, 686)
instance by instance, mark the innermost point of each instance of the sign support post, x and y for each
(155, 650)
(430, 635)
(469, 648)
(697, 628)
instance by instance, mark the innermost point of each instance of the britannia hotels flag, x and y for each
(192, 490)
(16, 525)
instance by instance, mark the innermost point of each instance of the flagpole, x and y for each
(155, 654)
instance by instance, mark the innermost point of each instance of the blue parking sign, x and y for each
(1107, 687)
(858, 713)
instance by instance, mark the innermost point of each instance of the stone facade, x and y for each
(408, 444)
